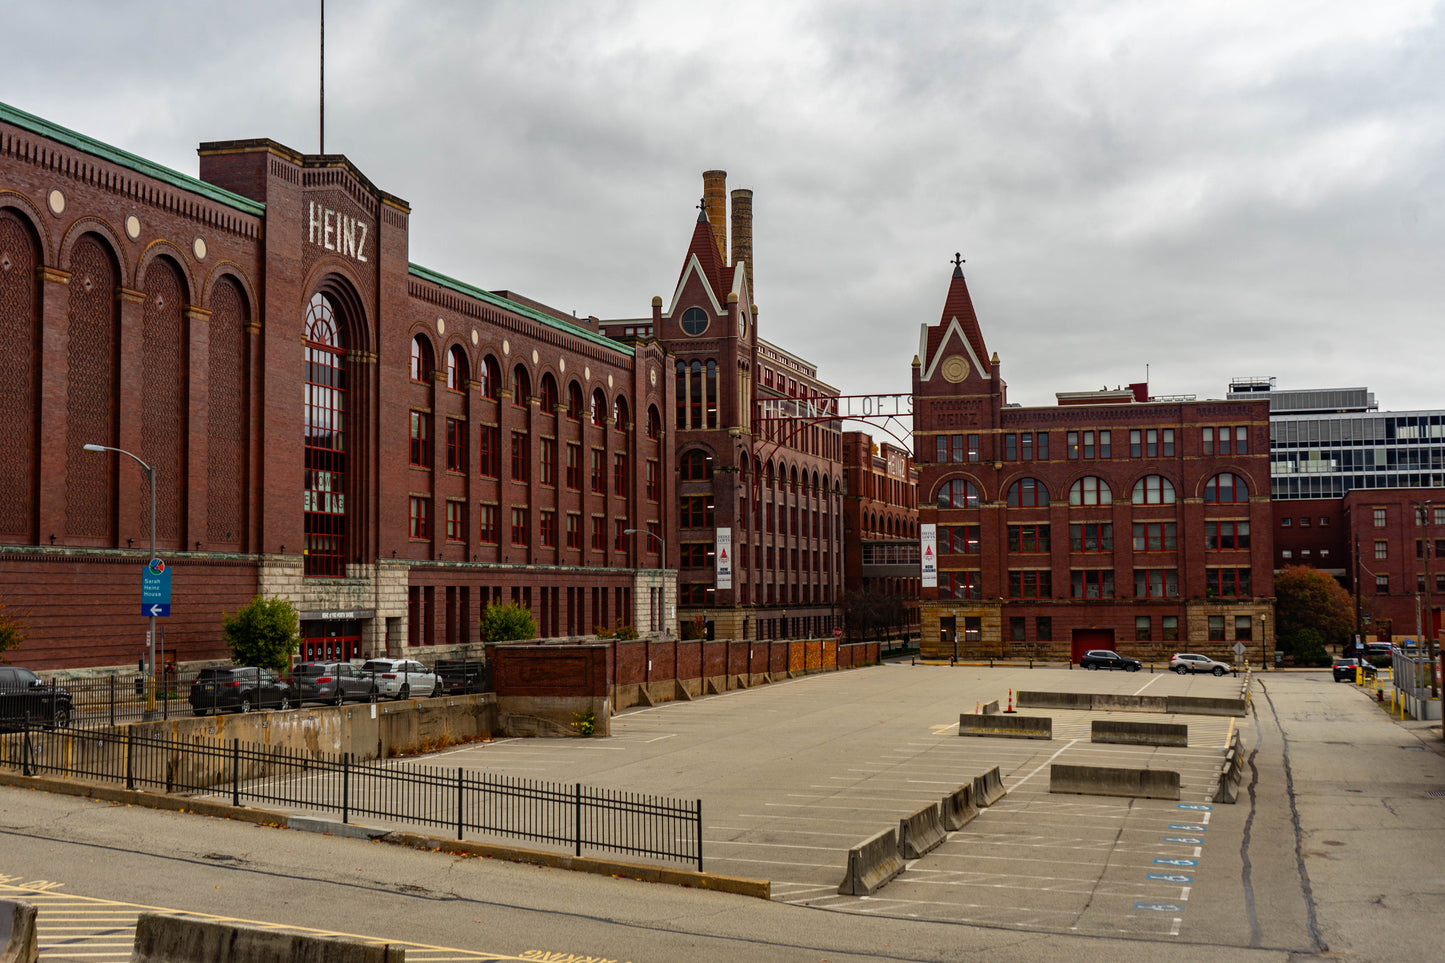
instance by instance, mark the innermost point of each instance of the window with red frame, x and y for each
(456, 521)
(421, 439)
(1153, 490)
(1156, 583)
(619, 540)
(519, 526)
(521, 387)
(491, 451)
(958, 493)
(574, 467)
(599, 471)
(958, 540)
(1227, 583)
(654, 423)
(420, 517)
(695, 465)
(1225, 488)
(491, 381)
(521, 455)
(695, 555)
(619, 414)
(654, 486)
(1226, 535)
(421, 358)
(549, 461)
(695, 511)
(547, 397)
(599, 534)
(960, 585)
(1092, 583)
(1027, 493)
(487, 524)
(619, 474)
(598, 410)
(1091, 537)
(1155, 536)
(1028, 538)
(547, 528)
(456, 369)
(456, 445)
(574, 531)
(574, 401)
(1030, 584)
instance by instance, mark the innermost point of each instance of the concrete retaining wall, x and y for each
(1006, 726)
(1139, 733)
(871, 864)
(920, 832)
(1108, 781)
(958, 808)
(185, 939)
(1231, 773)
(17, 932)
(1108, 702)
(988, 788)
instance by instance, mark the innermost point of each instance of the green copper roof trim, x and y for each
(38, 125)
(576, 330)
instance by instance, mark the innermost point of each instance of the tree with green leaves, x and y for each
(1312, 611)
(13, 629)
(265, 632)
(507, 623)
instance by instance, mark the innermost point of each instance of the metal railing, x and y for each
(571, 814)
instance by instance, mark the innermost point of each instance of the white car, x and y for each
(1187, 663)
(402, 679)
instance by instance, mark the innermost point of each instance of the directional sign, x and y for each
(155, 589)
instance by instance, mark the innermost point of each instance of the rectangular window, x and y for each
(695, 511)
(1136, 443)
(1324, 521)
(1382, 585)
(1073, 444)
(1240, 445)
(1104, 444)
(1044, 628)
(1304, 521)
(549, 461)
(654, 488)
(958, 448)
(574, 467)
(1216, 628)
(1027, 538)
(619, 538)
(491, 453)
(1169, 628)
(547, 528)
(1026, 446)
(619, 474)
(421, 439)
(1030, 584)
(1016, 628)
(420, 517)
(960, 585)
(1156, 583)
(1043, 445)
(456, 521)
(1227, 582)
(973, 447)
(1151, 443)
(1091, 537)
(942, 446)
(599, 471)
(1224, 441)
(958, 540)
(521, 454)
(519, 526)
(1226, 535)
(1167, 445)
(1010, 447)
(456, 445)
(1382, 549)
(1243, 625)
(599, 534)
(574, 531)
(1092, 583)
(1379, 518)
(1088, 444)
(1155, 536)
(1209, 441)
(1142, 628)
(487, 524)
(1286, 522)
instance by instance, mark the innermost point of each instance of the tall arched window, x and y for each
(548, 395)
(1091, 490)
(654, 423)
(324, 519)
(1027, 493)
(1153, 490)
(491, 378)
(574, 401)
(619, 413)
(958, 493)
(421, 358)
(695, 465)
(599, 408)
(19, 369)
(1225, 488)
(456, 369)
(521, 386)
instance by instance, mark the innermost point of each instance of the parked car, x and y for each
(242, 688)
(402, 678)
(1188, 663)
(1105, 659)
(26, 699)
(1379, 653)
(462, 676)
(1344, 669)
(332, 682)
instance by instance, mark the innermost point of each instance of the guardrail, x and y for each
(582, 817)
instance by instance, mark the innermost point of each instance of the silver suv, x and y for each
(402, 679)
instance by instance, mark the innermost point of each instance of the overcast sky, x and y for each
(1212, 189)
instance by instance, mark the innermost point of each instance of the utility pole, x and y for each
(1355, 578)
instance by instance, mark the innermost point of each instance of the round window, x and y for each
(694, 321)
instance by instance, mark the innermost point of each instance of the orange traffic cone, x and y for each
(1010, 701)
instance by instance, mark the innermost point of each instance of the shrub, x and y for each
(507, 623)
(265, 632)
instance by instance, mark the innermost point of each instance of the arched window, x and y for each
(694, 321)
(793, 479)
(521, 386)
(1027, 493)
(1153, 490)
(548, 396)
(1091, 490)
(574, 401)
(654, 422)
(619, 413)
(958, 493)
(421, 358)
(599, 407)
(491, 378)
(1225, 488)
(695, 465)
(456, 369)
(324, 423)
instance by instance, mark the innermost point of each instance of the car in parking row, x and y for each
(1188, 663)
(1108, 659)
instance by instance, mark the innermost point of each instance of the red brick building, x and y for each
(388, 447)
(1111, 520)
(880, 522)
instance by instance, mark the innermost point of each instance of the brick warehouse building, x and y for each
(880, 524)
(1108, 521)
(388, 447)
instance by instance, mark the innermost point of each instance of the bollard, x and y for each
(1031, 662)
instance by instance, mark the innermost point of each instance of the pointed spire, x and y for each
(957, 306)
(704, 245)
(702, 210)
(957, 264)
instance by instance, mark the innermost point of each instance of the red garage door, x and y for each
(1086, 639)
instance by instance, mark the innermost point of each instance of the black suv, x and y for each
(27, 700)
(1344, 669)
(332, 682)
(1105, 659)
(239, 688)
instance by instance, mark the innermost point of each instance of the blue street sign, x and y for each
(155, 589)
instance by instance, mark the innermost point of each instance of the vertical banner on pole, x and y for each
(724, 558)
(928, 554)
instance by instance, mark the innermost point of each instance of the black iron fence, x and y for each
(569, 814)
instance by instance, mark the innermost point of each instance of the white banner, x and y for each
(928, 553)
(724, 558)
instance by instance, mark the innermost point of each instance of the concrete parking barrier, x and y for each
(920, 832)
(1109, 702)
(991, 708)
(1231, 773)
(17, 932)
(988, 788)
(958, 808)
(1203, 706)
(1110, 781)
(186, 939)
(871, 864)
(1055, 700)
(1139, 733)
(1008, 727)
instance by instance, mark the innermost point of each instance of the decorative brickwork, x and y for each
(90, 398)
(225, 422)
(20, 313)
(163, 394)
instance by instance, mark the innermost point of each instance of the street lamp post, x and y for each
(151, 631)
(666, 631)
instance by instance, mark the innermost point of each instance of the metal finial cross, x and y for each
(958, 259)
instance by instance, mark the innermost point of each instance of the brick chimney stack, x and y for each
(714, 196)
(743, 234)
